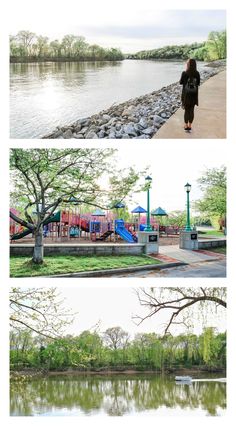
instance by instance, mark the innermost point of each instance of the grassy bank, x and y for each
(23, 266)
(221, 250)
(212, 232)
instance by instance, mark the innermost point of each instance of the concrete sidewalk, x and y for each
(210, 115)
(187, 256)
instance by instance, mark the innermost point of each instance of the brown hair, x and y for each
(191, 67)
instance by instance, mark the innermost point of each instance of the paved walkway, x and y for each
(187, 256)
(215, 269)
(210, 116)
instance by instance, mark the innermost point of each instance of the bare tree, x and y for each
(177, 301)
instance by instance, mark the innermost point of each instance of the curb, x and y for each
(105, 272)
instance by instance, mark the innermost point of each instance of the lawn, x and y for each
(21, 266)
(218, 250)
(213, 232)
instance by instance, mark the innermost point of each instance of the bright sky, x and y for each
(128, 25)
(112, 306)
(170, 167)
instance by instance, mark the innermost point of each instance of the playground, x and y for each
(65, 221)
(70, 226)
(94, 244)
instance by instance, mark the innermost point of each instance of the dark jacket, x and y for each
(187, 100)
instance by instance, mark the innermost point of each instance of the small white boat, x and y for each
(183, 378)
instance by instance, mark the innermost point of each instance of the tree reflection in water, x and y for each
(113, 395)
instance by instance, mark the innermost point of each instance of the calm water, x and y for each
(44, 95)
(116, 396)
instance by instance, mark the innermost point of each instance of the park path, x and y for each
(174, 253)
(210, 115)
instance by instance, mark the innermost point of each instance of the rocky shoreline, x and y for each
(138, 118)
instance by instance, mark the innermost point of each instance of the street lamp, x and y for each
(188, 189)
(148, 227)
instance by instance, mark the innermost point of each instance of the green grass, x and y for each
(213, 232)
(218, 250)
(22, 266)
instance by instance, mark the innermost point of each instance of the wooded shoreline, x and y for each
(110, 372)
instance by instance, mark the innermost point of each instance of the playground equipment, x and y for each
(121, 230)
(69, 224)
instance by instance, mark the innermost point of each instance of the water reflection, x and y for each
(114, 396)
(46, 95)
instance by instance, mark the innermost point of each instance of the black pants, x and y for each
(188, 114)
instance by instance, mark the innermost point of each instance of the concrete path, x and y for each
(210, 115)
(188, 256)
(215, 269)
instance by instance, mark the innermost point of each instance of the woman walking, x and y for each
(190, 79)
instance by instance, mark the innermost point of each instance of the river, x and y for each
(116, 395)
(46, 95)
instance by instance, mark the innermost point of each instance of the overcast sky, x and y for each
(171, 166)
(129, 25)
(111, 306)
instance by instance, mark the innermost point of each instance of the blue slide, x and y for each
(122, 231)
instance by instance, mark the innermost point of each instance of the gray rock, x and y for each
(112, 135)
(118, 127)
(58, 133)
(119, 135)
(143, 123)
(78, 136)
(158, 120)
(103, 127)
(101, 134)
(67, 134)
(137, 127)
(83, 130)
(82, 121)
(106, 118)
(78, 127)
(128, 111)
(129, 129)
(112, 121)
(94, 128)
(91, 135)
(148, 131)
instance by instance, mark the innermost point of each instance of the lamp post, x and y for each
(148, 227)
(188, 189)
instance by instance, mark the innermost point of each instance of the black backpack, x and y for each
(191, 87)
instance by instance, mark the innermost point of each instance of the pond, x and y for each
(116, 395)
(46, 95)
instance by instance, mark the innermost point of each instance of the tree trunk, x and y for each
(38, 247)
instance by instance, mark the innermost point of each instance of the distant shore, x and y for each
(32, 59)
(138, 118)
(110, 372)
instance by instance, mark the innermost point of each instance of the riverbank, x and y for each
(32, 59)
(138, 118)
(195, 371)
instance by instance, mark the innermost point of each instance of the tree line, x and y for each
(27, 46)
(114, 349)
(212, 49)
